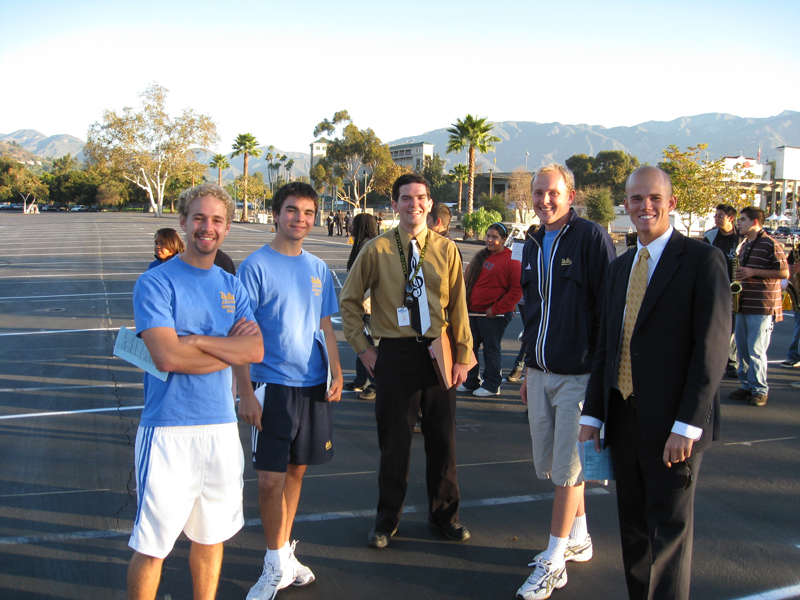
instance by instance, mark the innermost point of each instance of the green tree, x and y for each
(472, 134)
(434, 170)
(582, 167)
(476, 223)
(247, 146)
(460, 174)
(355, 157)
(700, 184)
(220, 163)
(148, 147)
(599, 204)
(111, 193)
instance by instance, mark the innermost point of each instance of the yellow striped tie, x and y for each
(633, 302)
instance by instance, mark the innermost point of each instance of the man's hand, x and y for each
(743, 273)
(677, 449)
(523, 393)
(244, 327)
(335, 391)
(368, 359)
(590, 433)
(489, 313)
(460, 372)
(249, 408)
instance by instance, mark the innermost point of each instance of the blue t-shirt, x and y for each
(547, 246)
(289, 295)
(190, 301)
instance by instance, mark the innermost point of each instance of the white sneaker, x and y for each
(483, 392)
(578, 552)
(545, 578)
(272, 579)
(463, 388)
(303, 575)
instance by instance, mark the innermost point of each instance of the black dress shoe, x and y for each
(379, 539)
(740, 394)
(452, 531)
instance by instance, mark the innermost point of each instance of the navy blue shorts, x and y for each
(296, 427)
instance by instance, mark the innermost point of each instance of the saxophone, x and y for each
(736, 286)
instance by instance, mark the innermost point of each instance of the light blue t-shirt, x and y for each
(289, 295)
(190, 301)
(547, 246)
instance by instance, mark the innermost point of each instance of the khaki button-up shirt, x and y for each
(378, 269)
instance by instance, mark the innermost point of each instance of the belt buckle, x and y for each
(420, 339)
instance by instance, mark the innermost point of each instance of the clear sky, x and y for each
(276, 69)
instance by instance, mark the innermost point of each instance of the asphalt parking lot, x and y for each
(69, 411)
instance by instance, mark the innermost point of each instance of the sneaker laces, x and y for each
(270, 576)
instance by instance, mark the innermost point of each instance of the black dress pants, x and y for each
(406, 384)
(656, 509)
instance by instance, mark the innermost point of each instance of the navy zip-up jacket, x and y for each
(562, 310)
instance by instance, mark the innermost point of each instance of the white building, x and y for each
(411, 154)
(319, 149)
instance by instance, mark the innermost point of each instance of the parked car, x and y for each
(78, 208)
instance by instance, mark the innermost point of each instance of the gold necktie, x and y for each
(633, 302)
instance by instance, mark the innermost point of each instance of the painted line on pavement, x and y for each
(318, 517)
(71, 412)
(793, 591)
(101, 294)
(68, 388)
(52, 493)
(60, 331)
(759, 441)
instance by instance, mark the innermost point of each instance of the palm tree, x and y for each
(269, 156)
(473, 134)
(245, 145)
(289, 165)
(219, 162)
(459, 173)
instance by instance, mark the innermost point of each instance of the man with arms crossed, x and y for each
(292, 296)
(661, 353)
(417, 288)
(563, 268)
(195, 320)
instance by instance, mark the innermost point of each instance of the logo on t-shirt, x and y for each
(316, 285)
(228, 302)
(488, 266)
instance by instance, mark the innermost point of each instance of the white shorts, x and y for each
(554, 411)
(188, 479)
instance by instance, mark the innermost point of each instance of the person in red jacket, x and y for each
(493, 289)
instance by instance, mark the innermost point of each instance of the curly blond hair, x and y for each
(205, 189)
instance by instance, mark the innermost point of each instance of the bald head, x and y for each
(649, 171)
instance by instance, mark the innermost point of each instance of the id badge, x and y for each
(402, 317)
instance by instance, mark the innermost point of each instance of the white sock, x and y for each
(555, 550)
(273, 557)
(579, 531)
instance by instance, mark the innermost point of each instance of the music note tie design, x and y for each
(633, 302)
(419, 313)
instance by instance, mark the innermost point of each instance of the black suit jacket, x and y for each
(679, 345)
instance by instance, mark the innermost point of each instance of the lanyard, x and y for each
(403, 258)
(749, 248)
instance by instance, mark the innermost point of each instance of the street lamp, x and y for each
(526, 160)
(491, 172)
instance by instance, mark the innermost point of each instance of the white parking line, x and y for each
(59, 331)
(760, 441)
(793, 591)
(332, 516)
(71, 412)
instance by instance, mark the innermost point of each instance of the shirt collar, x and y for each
(656, 247)
(405, 237)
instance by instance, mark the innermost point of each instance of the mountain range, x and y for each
(539, 143)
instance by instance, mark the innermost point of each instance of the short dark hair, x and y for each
(441, 211)
(298, 189)
(728, 210)
(170, 240)
(753, 213)
(407, 178)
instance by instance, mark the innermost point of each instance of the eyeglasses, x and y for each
(409, 299)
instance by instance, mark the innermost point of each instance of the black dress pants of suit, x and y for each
(656, 509)
(406, 384)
